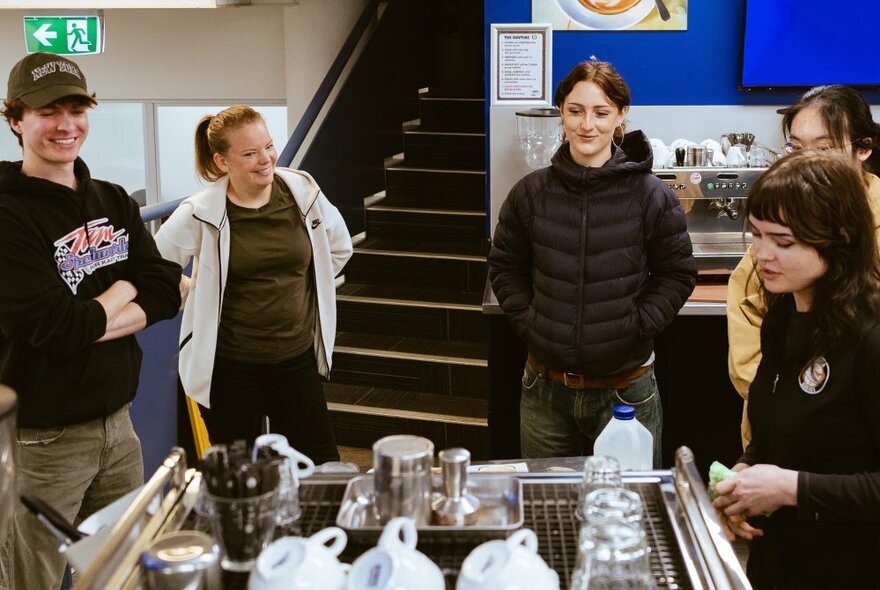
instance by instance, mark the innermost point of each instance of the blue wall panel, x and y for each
(154, 411)
(699, 66)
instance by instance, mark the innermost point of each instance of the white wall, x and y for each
(314, 31)
(265, 53)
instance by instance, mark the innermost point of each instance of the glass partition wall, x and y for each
(147, 147)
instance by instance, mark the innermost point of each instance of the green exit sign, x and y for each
(64, 35)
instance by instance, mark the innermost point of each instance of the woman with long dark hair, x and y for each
(809, 480)
(831, 117)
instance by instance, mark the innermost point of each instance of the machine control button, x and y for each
(711, 186)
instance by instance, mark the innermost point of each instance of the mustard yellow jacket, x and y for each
(745, 311)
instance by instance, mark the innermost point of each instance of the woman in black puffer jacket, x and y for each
(590, 260)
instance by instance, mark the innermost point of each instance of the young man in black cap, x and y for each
(80, 275)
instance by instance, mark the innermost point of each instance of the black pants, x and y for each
(289, 393)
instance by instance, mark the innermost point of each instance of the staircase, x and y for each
(410, 355)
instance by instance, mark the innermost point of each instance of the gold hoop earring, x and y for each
(617, 145)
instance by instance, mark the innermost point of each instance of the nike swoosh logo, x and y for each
(316, 223)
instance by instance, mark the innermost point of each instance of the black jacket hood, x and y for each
(633, 156)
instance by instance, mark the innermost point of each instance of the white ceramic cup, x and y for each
(297, 563)
(297, 466)
(395, 563)
(513, 563)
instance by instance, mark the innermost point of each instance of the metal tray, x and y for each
(501, 505)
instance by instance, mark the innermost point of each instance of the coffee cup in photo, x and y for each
(507, 565)
(608, 6)
(605, 15)
(395, 563)
(297, 563)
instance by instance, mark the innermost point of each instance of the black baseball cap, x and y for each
(41, 78)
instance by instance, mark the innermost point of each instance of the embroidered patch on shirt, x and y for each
(814, 376)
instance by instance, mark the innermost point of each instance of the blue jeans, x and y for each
(558, 421)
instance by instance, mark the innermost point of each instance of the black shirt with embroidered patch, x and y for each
(832, 438)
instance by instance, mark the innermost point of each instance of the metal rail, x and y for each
(719, 559)
(119, 554)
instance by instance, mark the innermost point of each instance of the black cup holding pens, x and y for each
(243, 527)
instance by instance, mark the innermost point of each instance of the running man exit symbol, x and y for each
(64, 35)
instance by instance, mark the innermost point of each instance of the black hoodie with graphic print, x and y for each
(59, 249)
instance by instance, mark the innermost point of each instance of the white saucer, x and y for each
(605, 22)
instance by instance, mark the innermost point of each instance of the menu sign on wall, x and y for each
(520, 64)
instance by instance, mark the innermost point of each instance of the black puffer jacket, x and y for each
(591, 263)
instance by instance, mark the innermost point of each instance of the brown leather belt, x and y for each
(578, 381)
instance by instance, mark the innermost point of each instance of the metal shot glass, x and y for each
(182, 560)
(402, 477)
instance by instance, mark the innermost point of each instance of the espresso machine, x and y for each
(713, 192)
(714, 201)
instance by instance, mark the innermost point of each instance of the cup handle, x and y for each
(336, 534)
(391, 534)
(301, 464)
(525, 537)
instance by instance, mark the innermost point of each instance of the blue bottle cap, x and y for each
(624, 412)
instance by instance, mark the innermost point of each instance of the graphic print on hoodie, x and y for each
(86, 249)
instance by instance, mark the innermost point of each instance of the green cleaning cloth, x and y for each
(717, 473)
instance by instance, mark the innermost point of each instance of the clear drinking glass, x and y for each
(243, 527)
(608, 503)
(612, 555)
(599, 472)
(293, 466)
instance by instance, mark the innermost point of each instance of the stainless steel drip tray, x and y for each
(501, 505)
(720, 244)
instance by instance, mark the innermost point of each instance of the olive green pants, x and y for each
(76, 469)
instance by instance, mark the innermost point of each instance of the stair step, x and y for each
(451, 368)
(362, 430)
(402, 311)
(435, 188)
(472, 250)
(425, 224)
(409, 297)
(363, 414)
(447, 149)
(451, 272)
(376, 401)
(452, 114)
(471, 354)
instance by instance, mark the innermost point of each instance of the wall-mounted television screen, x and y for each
(803, 43)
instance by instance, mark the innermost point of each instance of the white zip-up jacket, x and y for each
(198, 231)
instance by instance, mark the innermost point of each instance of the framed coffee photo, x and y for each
(612, 15)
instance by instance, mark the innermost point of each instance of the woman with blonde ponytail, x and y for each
(259, 321)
